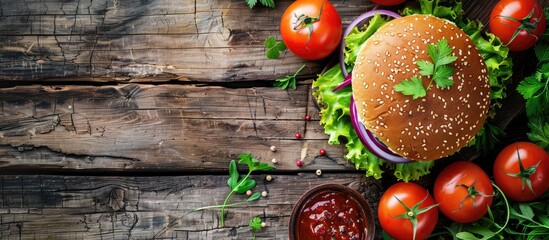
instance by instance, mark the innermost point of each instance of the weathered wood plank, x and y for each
(88, 207)
(152, 41)
(103, 40)
(167, 127)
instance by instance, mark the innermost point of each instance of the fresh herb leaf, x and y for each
(539, 133)
(254, 197)
(432, 52)
(535, 90)
(412, 87)
(426, 68)
(244, 185)
(251, 3)
(274, 47)
(238, 184)
(444, 52)
(270, 42)
(542, 52)
(441, 55)
(439, 70)
(255, 225)
(443, 76)
(288, 81)
(233, 175)
(529, 87)
(266, 3)
(263, 167)
(245, 159)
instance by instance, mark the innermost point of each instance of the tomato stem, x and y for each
(472, 192)
(413, 212)
(526, 24)
(525, 173)
(305, 21)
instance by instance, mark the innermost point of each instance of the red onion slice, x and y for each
(345, 83)
(369, 140)
(355, 22)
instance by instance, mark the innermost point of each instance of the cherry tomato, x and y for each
(464, 192)
(394, 217)
(522, 183)
(388, 2)
(518, 23)
(311, 29)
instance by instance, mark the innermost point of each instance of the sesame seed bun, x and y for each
(436, 125)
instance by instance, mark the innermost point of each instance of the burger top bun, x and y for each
(433, 126)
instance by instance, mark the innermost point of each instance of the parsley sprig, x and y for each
(255, 225)
(274, 47)
(535, 90)
(439, 71)
(239, 184)
(266, 3)
(288, 81)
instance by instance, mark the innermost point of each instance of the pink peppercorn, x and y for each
(322, 152)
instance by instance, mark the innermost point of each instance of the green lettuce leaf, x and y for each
(335, 117)
(447, 9)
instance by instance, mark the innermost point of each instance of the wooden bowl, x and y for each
(303, 211)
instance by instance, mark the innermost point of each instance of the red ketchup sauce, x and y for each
(331, 215)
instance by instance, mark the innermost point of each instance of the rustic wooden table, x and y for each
(117, 118)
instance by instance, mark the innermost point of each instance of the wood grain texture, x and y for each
(167, 127)
(87, 207)
(146, 41)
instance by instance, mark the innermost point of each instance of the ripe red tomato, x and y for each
(464, 192)
(395, 217)
(514, 180)
(518, 23)
(311, 29)
(388, 2)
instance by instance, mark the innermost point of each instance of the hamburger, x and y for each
(440, 119)
(407, 111)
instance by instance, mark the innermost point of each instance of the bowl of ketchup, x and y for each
(332, 211)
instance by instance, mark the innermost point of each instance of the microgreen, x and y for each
(255, 225)
(438, 69)
(239, 184)
(288, 81)
(266, 3)
(274, 47)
